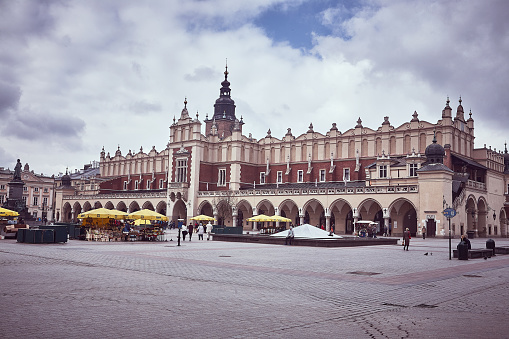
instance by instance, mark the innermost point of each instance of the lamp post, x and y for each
(449, 213)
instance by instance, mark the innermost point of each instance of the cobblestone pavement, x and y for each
(211, 289)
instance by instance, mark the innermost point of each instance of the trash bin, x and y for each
(20, 237)
(47, 236)
(462, 251)
(490, 244)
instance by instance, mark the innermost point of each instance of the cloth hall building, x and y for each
(400, 177)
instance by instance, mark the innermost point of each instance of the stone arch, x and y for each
(314, 213)
(244, 211)
(364, 147)
(392, 145)
(161, 207)
(482, 213)
(86, 206)
(289, 209)
(109, 205)
(205, 208)
(97, 204)
(370, 209)
(265, 207)
(378, 146)
(403, 214)
(502, 221)
(147, 205)
(76, 209)
(407, 144)
(134, 206)
(121, 206)
(179, 212)
(67, 213)
(470, 211)
(422, 143)
(341, 216)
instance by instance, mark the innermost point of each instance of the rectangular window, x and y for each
(135, 184)
(25, 189)
(413, 170)
(2, 187)
(161, 183)
(322, 175)
(346, 174)
(92, 187)
(34, 214)
(45, 201)
(280, 177)
(181, 175)
(2, 199)
(382, 171)
(45, 190)
(36, 189)
(24, 199)
(125, 185)
(36, 201)
(262, 177)
(148, 184)
(507, 188)
(300, 176)
(221, 180)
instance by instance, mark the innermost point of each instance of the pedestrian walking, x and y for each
(184, 232)
(406, 239)
(209, 230)
(424, 232)
(201, 230)
(190, 229)
(289, 236)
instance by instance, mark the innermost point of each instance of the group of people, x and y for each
(200, 229)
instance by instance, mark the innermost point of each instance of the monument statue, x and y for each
(17, 171)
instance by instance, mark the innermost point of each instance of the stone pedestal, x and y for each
(15, 199)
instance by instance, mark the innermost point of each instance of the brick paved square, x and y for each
(237, 290)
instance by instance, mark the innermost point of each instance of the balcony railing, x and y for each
(126, 195)
(317, 191)
(476, 185)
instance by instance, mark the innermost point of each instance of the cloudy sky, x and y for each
(79, 75)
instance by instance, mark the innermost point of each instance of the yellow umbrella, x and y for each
(4, 212)
(202, 217)
(103, 213)
(148, 215)
(280, 218)
(260, 218)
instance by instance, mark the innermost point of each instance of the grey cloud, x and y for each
(201, 73)
(23, 18)
(9, 98)
(144, 106)
(28, 125)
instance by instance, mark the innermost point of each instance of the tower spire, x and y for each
(226, 70)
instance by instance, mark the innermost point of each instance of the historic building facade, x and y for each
(400, 176)
(38, 192)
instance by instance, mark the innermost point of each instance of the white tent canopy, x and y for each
(308, 232)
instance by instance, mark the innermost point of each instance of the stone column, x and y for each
(234, 216)
(327, 223)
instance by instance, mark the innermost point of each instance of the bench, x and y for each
(476, 253)
(502, 250)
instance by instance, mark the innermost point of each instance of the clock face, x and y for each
(26, 176)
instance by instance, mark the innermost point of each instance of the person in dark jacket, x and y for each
(190, 229)
(406, 239)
